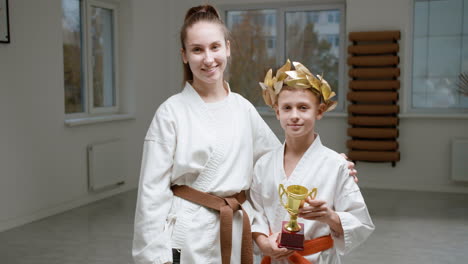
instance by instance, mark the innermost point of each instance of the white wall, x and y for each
(43, 162)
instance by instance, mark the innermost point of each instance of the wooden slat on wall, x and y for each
(374, 36)
(372, 145)
(374, 73)
(373, 121)
(389, 60)
(365, 109)
(373, 133)
(373, 96)
(377, 97)
(374, 85)
(368, 49)
(375, 156)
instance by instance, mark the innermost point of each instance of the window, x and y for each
(270, 43)
(440, 54)
(266, 37)
(312, 18)
(90, 57)
(271, 20)
(251, 52)
(336, 17)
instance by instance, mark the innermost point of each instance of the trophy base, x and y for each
(291, 240)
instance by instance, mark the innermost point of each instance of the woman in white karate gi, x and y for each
(205, 139)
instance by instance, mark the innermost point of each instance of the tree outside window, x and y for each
(257, 47)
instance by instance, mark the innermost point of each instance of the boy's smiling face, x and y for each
(297, 110)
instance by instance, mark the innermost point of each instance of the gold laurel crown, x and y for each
(300, 78)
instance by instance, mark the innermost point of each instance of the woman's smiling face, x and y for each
(206, 52)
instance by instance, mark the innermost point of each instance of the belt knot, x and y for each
(233, 203)
(226, 207)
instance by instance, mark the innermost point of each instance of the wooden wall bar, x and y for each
(369, 109)
(374, 73)
(374, 85)
(373, 60)
(372, 133)
(374, 36)
(372, 145)
(368, 49)
(373, 121)
(375, 156)
(373, 96)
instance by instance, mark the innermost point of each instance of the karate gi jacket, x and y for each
(321, 168)
(211, 147)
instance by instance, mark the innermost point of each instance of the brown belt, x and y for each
(226, 206)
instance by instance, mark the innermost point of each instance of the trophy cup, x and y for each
(292, 233)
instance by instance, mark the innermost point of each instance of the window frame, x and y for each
(408, 109)
(89, 111)
(281, 9)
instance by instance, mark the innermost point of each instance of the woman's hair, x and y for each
(206, 13)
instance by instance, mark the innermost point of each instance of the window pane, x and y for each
(465, 54)
(420, 55)
(254, 48)
(316, 45)
(421, 20)
(445, 17)
(465, 17)
(72, 63)
(103, 57)
(439, 53)
(444, 56)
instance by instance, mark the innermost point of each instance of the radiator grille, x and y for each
(106, 164)
(460, 159)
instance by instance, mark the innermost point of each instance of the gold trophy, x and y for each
(292, 234)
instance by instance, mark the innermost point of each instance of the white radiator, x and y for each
(106, 164)
(460, 159)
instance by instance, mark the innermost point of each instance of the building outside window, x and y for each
(300, 33)
(90, 57)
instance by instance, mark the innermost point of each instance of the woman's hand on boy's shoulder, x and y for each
(352, 170)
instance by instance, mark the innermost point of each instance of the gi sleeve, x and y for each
(259, 222)
(264, 140)
(150, 243)
(352, 210)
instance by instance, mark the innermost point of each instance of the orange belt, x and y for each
(310, 247)
(226, 207)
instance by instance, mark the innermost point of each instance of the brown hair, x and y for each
(196, 14)
(289, 88)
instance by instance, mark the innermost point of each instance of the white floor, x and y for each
(411, 227)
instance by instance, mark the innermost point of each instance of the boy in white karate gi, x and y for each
(337, 220)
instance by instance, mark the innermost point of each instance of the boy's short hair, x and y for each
(300, 78)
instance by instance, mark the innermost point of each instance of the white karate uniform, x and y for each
(211, 147)
(320, 168)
